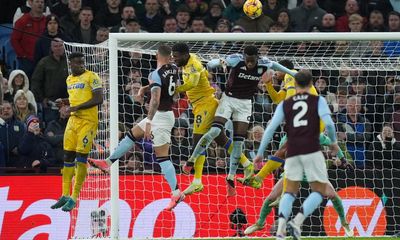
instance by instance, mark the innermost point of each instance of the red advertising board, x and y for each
(25, 208)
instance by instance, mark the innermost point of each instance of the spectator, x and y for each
(355, 22)
(85, 32)
(109, 15)
(24, 36)
(166, 7)
(322, 88)
(183, 18)
(48, 80)
(11, 132)
(276, 27)
(71, 20)
(384, 152)
(234, 10)
(102, 35)
(19, 81)
(306, 15)
(55, 135)
(197, 8)
(23, 108)
(284, 19)
(260, 24)
(151, 20)
(38, 155)
(253, 141)
(170, 24)
(133, 26)
(198, 26)
(355, 130)
(384, 6)
(26, 9)
(342, 23)
(376, 22)
(180, 147)
(128, 12)
(133, 163)
(328, 23)
(214, 14)
(394, 21)
(42, 47)
(58, 7)
(272, 8)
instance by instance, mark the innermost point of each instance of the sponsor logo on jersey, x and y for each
(249, 77)
(76, 86)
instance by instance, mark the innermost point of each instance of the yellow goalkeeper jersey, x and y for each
(195, 80)
(80, 90)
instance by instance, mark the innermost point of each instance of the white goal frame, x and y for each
(185, 37)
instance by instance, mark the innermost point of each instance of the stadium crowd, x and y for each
(365, 104)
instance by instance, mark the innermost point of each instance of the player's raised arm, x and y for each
(277, 119)
(230, 61)
(325, 114)
(275, 96)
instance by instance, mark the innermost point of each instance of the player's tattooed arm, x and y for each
(154, 102)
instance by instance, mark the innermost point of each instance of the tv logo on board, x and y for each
(364, 212)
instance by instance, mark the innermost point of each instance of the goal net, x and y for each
(359, 76)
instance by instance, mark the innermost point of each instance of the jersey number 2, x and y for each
(171, 87)
(297, 121)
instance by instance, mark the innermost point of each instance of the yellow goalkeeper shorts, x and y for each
(204, 112)
(79, 135)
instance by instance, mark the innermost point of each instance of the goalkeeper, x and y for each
(85, 94)
(277, 160)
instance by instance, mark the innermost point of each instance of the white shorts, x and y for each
(311, 165)
(238, 109)
(161, 127)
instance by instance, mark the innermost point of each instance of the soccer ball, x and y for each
(252, 8)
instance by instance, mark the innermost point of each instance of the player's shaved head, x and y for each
(164, 50)
(251, 50)
(303, 78)
(180, 48)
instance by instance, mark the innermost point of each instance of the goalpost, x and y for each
(133, 198)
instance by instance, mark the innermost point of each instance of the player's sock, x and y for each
(235, 155)
(310, 204)
(205, 142)
(265, 210)
(67, 175)
(198, 167)
(81, 172)
(338, 205)
(272, 164)
(286, 205)
(167, 168)
(124, 146)
(244, 161)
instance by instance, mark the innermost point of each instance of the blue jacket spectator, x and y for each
(11, 131)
